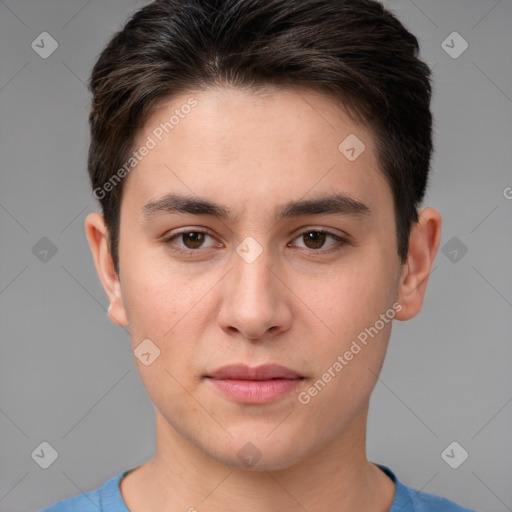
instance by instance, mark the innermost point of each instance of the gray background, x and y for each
(67, 373)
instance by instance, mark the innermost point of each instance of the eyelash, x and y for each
(341, 242)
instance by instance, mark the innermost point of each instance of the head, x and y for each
(260, 167)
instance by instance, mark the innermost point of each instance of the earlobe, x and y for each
(97, 235)
(424, 243)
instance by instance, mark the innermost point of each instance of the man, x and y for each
(260, 166)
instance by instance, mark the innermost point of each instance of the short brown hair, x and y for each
(355, 50)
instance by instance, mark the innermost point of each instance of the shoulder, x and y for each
(408, 499)
(106, 498)
(417, 501)
(87, 502)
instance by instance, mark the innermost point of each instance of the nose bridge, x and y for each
(253, 273)
(253, 303)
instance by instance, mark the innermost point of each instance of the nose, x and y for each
(255, 303)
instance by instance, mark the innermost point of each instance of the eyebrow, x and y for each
(333, 204)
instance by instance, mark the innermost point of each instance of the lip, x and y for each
(254, 385)
(262, 372)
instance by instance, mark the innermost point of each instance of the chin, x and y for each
(257, 452)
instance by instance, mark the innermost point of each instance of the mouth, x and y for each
(254, 385)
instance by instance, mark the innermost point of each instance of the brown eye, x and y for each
(314, 240)
(188, 241)
(193, 239)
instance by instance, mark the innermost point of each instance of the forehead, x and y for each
(253, 148)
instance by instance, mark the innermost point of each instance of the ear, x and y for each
(423, 245)
(97, 235)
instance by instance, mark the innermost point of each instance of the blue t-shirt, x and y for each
(107, 498)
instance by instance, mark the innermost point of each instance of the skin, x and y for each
(297, 304)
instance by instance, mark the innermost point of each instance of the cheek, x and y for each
(168, 310)
(350, 298)
(158, 297)
(347, 367)
(352, 350)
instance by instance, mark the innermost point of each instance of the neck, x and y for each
(336, 476)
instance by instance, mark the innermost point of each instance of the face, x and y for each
(269, 272)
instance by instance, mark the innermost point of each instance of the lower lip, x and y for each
(255, 391)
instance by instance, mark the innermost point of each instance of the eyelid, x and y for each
(170, 237)
(322, 229)
(339, 241)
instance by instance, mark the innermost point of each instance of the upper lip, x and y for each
(263, 372)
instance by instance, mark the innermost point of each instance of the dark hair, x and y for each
(354, 50)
